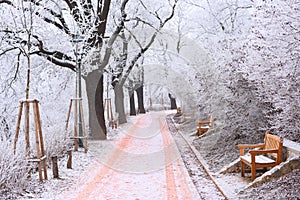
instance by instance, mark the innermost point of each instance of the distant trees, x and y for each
(127, 58)
(218, 27)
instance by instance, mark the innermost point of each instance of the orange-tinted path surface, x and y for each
(140, 163)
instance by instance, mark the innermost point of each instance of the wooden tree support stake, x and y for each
(39, 142)
(77, 102)
(150, 103)
(69, 163)
(109, 113)
(54, 167)
(163, 103)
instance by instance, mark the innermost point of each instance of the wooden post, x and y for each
(54, 167)
(75, 126)
(162, 102)
(27, 128)
(150, 103)
(18, 126)
(39, 143)
(109, 113)
(40, 134)
(83, 128)
(69, 163)
(69, 113)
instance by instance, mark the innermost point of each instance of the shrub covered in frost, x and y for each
(13, 170)
(56, 141)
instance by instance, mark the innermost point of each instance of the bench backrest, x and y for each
(273, 142)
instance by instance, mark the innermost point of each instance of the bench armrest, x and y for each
(242, 147)
(245, 146)
(204, 122)
(256, 152)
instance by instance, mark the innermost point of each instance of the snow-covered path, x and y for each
(141, 163)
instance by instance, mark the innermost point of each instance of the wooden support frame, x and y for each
(150, 104)
(39, 142)
(77, 103)
(109, 113)
(163, 102)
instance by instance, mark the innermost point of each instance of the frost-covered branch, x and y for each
(74, 8)
(114, 36)
(6, 2)
(148, 45)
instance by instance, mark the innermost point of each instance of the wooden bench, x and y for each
(203, 126)
(263, 155)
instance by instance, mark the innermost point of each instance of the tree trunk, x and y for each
(94, 88)
(140, 96)
(119, 103)
(173, 102)
(132, 103)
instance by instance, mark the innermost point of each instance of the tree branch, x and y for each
(114, 36)
(55, 57)
(57, 61)
(73, 6)
(153, 37)
(8, 50)
(87, 10)
(6, 1)
(56, 54)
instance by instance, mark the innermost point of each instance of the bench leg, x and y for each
(253, 172)
(242, 169)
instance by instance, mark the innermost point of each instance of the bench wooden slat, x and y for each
(260, 159)
(205, 126)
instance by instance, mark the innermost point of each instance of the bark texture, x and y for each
(132, 103)
(140, 96)
(94, 88)
(119, 103)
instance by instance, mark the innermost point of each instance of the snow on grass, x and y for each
(13, 171)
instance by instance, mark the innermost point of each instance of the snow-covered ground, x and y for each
(141, 161)
(138, 161)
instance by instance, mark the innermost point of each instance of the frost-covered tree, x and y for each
(269, 60)
(86, 20)
(217, 27)
(135, 84)
(89, 23)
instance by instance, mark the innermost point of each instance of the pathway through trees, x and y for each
(141, 163)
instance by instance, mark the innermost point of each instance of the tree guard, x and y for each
(77, 102)
(109, 113)
(39, 142)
